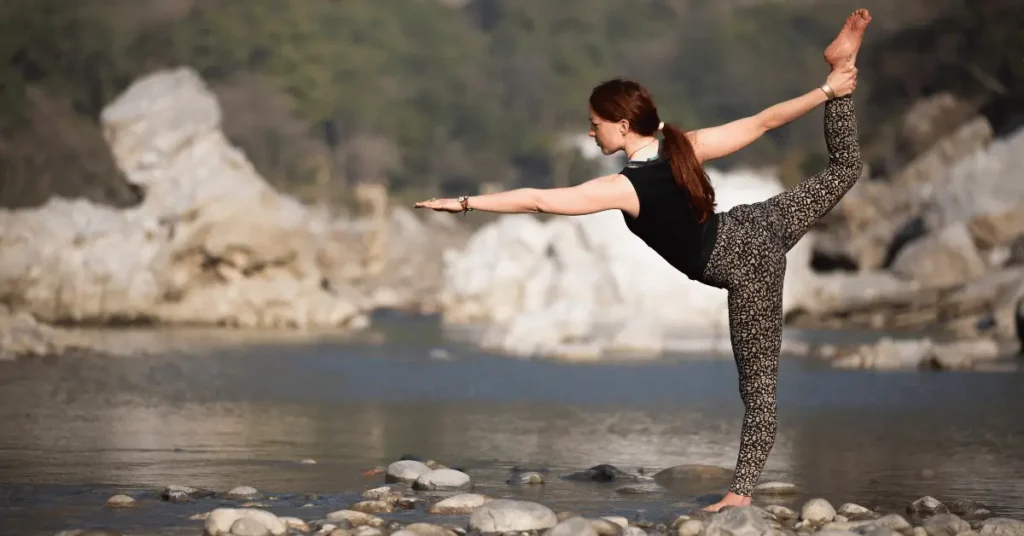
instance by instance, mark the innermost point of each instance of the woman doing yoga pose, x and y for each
(667, 201)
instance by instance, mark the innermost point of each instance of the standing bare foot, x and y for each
(847, 43)
(730, 499)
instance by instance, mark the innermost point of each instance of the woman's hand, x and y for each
(441, 205)
(843, 80)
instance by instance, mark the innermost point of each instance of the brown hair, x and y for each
(620, 99)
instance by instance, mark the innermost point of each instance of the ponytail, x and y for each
(688, 172)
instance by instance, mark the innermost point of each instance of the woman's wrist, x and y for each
(827, 89)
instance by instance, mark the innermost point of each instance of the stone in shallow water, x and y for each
(355, 519)
(242, 492)
(969, 509)
(373, 507)
(460, 504)
(441, 479)
(405, 471)
(503, 515)
(122, 501)
(175, 493)
(776, 488)
(927, 505)
(601, 473)
(693, 474)
(383, 493)
(640, 489)
(855, 512)
(525, 478)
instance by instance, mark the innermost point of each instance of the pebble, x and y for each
(776, 488)
(817, 512)
(691, 527)
(355, 519)
(502, 515)
(640, 489)
(295, 523)
(601, 473)
(459, 505)
(221, 522)
(407, 503)
(525, 479)
(405, 471)
(174, 493)
(781, 512)
(441, 479)
(242, 492)
(927, 505)
(383, 493)
(373, 507)
(122, 501)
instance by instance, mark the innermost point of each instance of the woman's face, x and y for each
(609, 135)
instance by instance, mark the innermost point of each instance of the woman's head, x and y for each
(624, 109)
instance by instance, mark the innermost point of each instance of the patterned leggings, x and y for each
(749, 260)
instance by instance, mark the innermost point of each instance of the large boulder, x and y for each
(210, 243)
(872, 220)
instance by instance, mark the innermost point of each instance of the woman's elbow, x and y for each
(534, 200)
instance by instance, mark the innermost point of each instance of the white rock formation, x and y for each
(211, 243)
(586, 285)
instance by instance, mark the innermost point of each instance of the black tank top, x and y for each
(667, 222)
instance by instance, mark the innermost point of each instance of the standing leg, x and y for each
(755, 324)
(804, 204)
(751, 263)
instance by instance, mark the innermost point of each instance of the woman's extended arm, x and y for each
(603, 193)
(716, 142)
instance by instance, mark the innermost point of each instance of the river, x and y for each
(75, 430)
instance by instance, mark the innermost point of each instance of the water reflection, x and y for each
(222, 419)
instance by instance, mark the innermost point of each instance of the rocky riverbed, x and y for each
(424, 498)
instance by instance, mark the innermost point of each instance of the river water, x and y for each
(76, 430)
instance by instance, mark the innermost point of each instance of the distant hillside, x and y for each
(434, 98)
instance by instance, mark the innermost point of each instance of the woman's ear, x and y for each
(623, 127)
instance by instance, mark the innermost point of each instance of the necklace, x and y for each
(630, 157)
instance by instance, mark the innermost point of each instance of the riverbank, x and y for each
(82, 429)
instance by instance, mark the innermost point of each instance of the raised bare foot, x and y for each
(847, 43)
(730, 499)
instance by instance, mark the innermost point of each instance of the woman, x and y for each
(667, 201)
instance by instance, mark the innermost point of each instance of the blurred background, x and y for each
(210, 268)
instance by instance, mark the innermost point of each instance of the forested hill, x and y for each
(444, 95)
